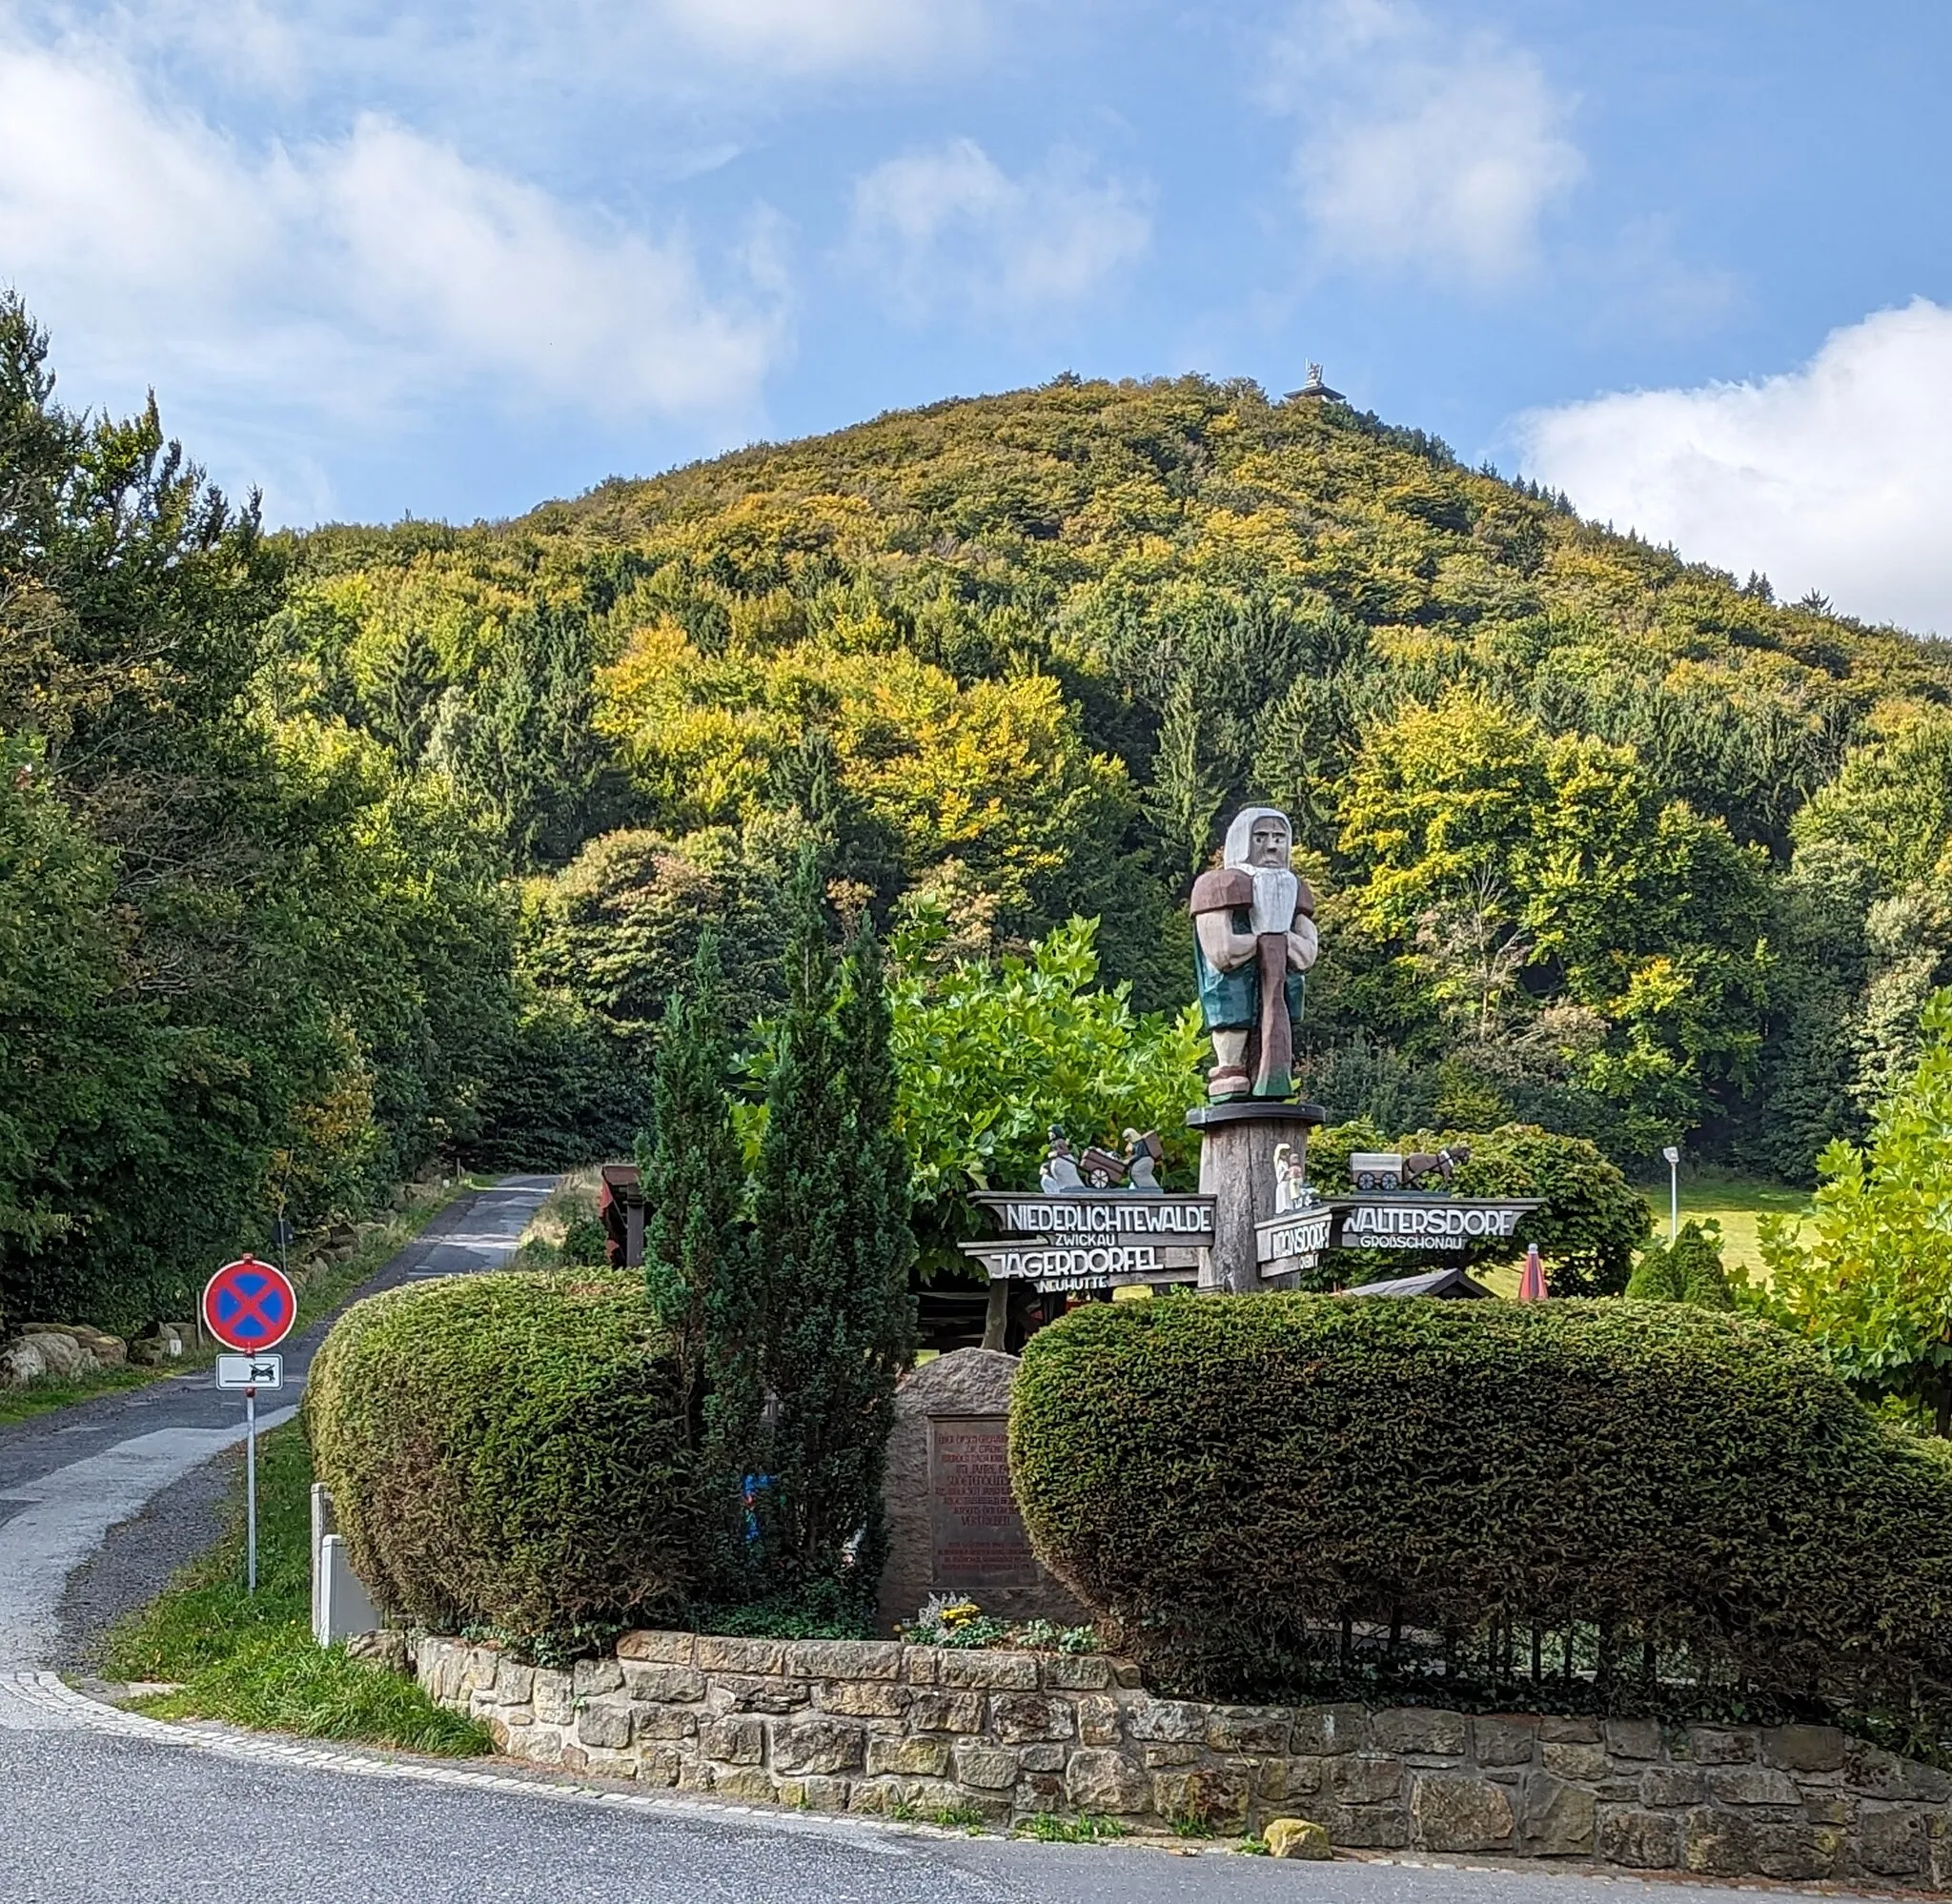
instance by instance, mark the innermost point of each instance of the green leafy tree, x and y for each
(989, 1057)
(530, 747)
(1868, 1274)
(1499, 862)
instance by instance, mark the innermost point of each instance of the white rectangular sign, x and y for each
(251, 1371)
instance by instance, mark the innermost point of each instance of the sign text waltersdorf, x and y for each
(1393, 1222)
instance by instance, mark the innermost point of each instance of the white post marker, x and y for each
(250, 1307)
(1672, 1154)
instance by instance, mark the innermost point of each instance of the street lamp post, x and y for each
(1672, 1154)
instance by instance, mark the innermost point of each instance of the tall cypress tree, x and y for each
(696, 1253)
(833, 1250)
(877, 1244)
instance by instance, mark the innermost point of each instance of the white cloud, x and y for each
(538, 53)
(361, 275)
(827, 36)
(1836, 478)
(1423, 150)
(949, 228)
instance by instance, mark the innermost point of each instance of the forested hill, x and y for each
(323, 855)
(1607, 838)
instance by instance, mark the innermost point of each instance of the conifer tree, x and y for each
(697, 1255)
(832, 1251)
(878, 1245)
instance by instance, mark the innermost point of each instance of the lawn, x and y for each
(1736, 1202)
(250, 1658)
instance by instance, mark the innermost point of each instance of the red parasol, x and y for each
(1531, 1285)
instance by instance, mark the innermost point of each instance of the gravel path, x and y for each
(137, 1559)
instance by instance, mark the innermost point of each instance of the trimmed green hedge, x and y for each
(1592, 1221)
(505, 1451)
(1224, 1482)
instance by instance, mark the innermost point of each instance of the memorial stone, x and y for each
(952, 1523)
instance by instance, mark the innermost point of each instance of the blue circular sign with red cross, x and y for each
(249, 1305)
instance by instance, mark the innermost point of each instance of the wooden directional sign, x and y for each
(1112, 1215)
(1427, 1223)
(1293, 1241)
(1092, 1241)
(1055, 1264)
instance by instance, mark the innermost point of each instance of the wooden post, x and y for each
(996, 1314)
(1237, 1145)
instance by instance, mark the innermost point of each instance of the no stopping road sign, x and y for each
(250, 1306)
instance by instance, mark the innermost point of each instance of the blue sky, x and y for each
(1688, 260)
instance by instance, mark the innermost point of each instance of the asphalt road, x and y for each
(146, 1823)
(69, 1477)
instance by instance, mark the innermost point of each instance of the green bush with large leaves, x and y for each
(1226, 1483)
(1868, 1274)
(990, 1056)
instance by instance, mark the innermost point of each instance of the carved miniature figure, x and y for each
(1392, 1170)
(1420, 1165)
(1061, 1172)
(1066, 1173)
(1291, 1192)
(1144, 1153)
(1254, 936)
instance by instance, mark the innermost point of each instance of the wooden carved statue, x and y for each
(1254, 935)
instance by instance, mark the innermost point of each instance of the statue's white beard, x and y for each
(1276, 893)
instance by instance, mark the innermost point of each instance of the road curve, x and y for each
(175, 1815)
(69, 1477)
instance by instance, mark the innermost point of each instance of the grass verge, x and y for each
(319, 1297)
(250, 1658)
(61, 1391)
(1086, 1828)
(1737, 1204)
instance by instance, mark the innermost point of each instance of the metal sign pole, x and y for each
(251, 1490)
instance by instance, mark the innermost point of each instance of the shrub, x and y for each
(584, 1244)
(504, 1451)
(1225, 1483)
(1590, 1225)
(1686, 1271)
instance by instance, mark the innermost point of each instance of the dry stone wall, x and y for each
(880, 1727)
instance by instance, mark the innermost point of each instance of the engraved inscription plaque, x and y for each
(976, 1534)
